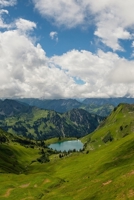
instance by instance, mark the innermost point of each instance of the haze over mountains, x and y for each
(73, 103)
(100, 106)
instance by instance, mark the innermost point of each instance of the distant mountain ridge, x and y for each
(10, 107)
(112, 101)
(99, 106)
(58, 105)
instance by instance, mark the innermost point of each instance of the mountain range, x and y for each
(99, 106)
(35, 123)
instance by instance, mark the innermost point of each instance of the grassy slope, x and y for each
(119, 124)
(104, 173)
(15, 158)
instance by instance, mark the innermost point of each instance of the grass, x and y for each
(105, 173)
(55, 140)
(15, 158)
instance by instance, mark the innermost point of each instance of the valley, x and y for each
(103, 170)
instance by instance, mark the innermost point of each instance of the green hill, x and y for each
(18, 153)
(119, 124)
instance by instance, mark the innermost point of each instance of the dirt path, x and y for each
(108, 182)
(25, 185)
(7, 194)
(46, 181)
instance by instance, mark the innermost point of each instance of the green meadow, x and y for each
(103, 171)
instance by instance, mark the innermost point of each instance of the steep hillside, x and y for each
(119, 124)
(10, 107)
(44, 124)
(101, 110)
(18, 153)
(85, 121)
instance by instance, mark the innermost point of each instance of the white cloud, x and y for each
(110, 32)
(113, 19)
(4, 3)
(67, 13)
(26, 71)
(133, 44)
(54, 35)
(2, 23)
(25, 25)
(104, 74)
(2, 11)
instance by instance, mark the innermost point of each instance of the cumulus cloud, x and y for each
(104, 74)
(54, 35)
(113, 19)
(26, 71)
(24, 68)
(63, 13)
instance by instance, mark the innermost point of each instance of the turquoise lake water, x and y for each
(67, 145)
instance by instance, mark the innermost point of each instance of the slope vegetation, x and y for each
(101, 110)
(119, 124)
(18, 153)
(44, 124)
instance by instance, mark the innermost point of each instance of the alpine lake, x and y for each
(67, 145)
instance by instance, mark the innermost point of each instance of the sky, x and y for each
(66, 49)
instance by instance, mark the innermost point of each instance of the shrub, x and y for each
(107, 138)
(43, 159)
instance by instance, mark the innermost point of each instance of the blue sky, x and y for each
(66, 49)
